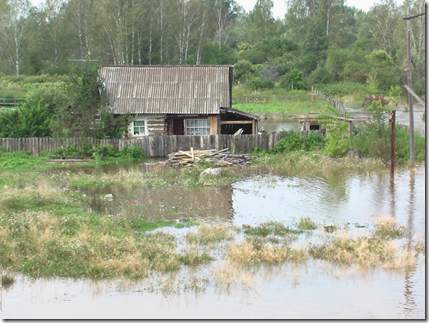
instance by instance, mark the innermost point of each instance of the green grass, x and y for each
(271, 228)
(23, 161)
(195, 259)
(91, 183)
(306, 224)
(282, 105)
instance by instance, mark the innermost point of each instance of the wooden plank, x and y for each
(415, 95)
(237, 122)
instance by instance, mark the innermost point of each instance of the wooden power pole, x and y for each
(392, 143)
(410, 82)
(410, 85)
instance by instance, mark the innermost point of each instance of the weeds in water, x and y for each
(247, 252)
(306, 224)
(7, 280)
(387, 227)
(271, 228)
(420, 247)
(210, 234)
(193, 259)
(231, 274)
(45, 232)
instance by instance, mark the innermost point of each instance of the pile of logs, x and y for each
(218, 158)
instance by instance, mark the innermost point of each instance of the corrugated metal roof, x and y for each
(167, 89)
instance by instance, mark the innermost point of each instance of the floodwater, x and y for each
(402, 117)
(315, 290)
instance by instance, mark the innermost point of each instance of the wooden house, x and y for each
(176, 100)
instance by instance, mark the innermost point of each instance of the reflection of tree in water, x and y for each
(166, 203)
(337, 189)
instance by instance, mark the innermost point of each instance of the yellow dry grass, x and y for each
(246, 252)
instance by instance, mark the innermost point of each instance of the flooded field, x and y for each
(313, 289)
(355, 111)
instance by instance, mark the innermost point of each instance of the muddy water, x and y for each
(313, 291)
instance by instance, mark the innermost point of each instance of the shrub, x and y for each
(104, 151)
(69, 150)
(296, 142)
(337, 139)
(132, 152)
(294, 78)
(258, 83)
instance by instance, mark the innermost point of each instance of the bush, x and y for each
(243, 70)
(258, 83)
(294, 78)
(320, 75)
(132, 152)
(296, 142)
(26, 121)
(104, 151)
(70, 150)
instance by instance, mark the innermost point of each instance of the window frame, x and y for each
(134, 126)
(193, 124)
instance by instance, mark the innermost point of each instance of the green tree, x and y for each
(26, 121)
(337, 134)
(263, 21)
(381, 21)
(14, 23)
(87, 105)
(295, 79)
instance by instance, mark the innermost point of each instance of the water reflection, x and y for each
(409, 304)
(335, 199)
(308, 291)
(167, 203)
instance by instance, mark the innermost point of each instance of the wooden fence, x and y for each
(158, 146)
(338, 105)
(11, 102)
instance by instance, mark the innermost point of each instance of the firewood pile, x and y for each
(217, 157)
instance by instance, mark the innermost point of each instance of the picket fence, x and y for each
(158, 146)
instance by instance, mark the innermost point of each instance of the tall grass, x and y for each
(281, 105)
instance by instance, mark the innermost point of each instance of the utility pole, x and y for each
(410, 85)
(392, 143)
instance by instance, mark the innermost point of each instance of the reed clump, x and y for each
(388, 227)
(271, 228)
(306, 224)
(195, 258)
(249, 253)
(208, 235)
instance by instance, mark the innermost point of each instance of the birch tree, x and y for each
(381, 21)
(14, 28)
(52, 19)
(188, 15)
(81, 16)
(114, 16)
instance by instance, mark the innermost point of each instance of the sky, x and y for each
(279, 8)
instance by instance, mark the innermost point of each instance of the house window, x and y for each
(139, 128)
(197, 127)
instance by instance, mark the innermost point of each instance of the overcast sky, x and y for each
(279, 9)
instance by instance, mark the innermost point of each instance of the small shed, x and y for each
(176, 100)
